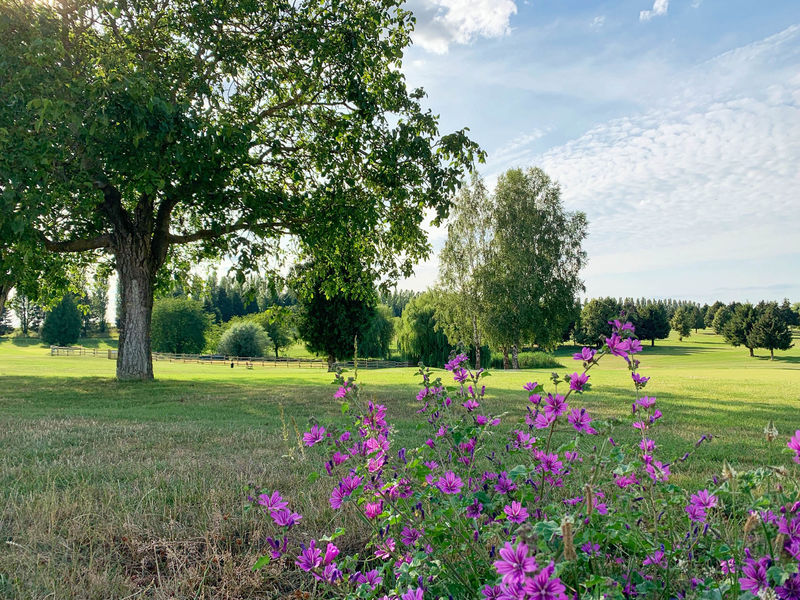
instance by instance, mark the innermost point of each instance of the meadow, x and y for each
(138, 490)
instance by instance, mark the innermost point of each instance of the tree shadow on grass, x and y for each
(781, 359)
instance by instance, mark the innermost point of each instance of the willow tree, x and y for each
(132, 128)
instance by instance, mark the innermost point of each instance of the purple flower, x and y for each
(474, 509)
(790, 590)
(409, 536)
(314, 436)
(541, 587)
(278, 547)
(586, 354)
(412, 594)
(657, 558)
(460, 375)
(514, 563)
(728, 566)
(555, 405)
(696, 513)
(657, 470)
(591, 549)
(543, 421)
(285, 517)
(341, 392)
(794, 444)
(504, 484)
(515, 512)
(492, 592)
(755, 574)
(578, 381)
(373, 509)
(703, 499)
(470, 405)
(272, 502)
(450, 483)
(385, 549)
(371, 578)
(638, 379)
(530, 386)
(331, 552)
(645, 402)
(581, 421)
(456, 362)
(616, 346)
(310, 558)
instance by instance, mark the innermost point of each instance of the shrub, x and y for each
(62, 325)
(243, 339)
(178, 326)
(559, 508)
(529, 360)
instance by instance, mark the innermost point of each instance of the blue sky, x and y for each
(674, 124)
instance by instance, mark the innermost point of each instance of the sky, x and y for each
(673, 124)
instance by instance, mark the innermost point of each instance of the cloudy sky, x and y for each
(673, 124)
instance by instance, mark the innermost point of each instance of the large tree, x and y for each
(737, 330)
(460, 304)
(771, 331)
(420, 336)
(133, 129)
(651, 322)
(593, 326)
(530, 280)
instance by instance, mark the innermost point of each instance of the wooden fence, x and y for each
(244, 361)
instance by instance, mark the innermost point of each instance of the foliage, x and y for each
(711, 313)
(535, 359)
(474, 513)
(594, 325)
(5, 321)
(530, 279)
(62, 325)
(460, 305)
(790, 316)
(29, 314)
(721, 318)
(244, 338)
(171, 131)
(683, 321)
(397, 300)
(279, 324)
(770, 330)
(651, 322)
(329, 324)
(179, 326)
(737, 330)
(420, 337)
(378, 335)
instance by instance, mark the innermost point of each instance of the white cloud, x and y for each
(443, 22)
(598, 22)
(659, 9)
(704, 174)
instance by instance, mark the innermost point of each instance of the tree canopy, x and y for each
(179, 326)
(131, 130)
(530, 278)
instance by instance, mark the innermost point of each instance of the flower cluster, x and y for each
(555, 505)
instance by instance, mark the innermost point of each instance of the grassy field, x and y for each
(120, 490)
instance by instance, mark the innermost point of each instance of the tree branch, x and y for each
(211, 234)
(81, 245)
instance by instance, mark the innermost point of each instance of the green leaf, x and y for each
(261, 562)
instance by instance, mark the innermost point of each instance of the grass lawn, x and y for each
(114, 490)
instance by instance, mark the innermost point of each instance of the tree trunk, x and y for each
(134, 358)
(331, 362)
(5, 289)
(506, 362)
(477, 342)
(514, 357)
(653, 342)
(771, 354)
(751, 351)
(276, 351)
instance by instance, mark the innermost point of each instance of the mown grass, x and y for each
(114, 490)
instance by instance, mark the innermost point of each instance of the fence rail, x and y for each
(245, 361)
